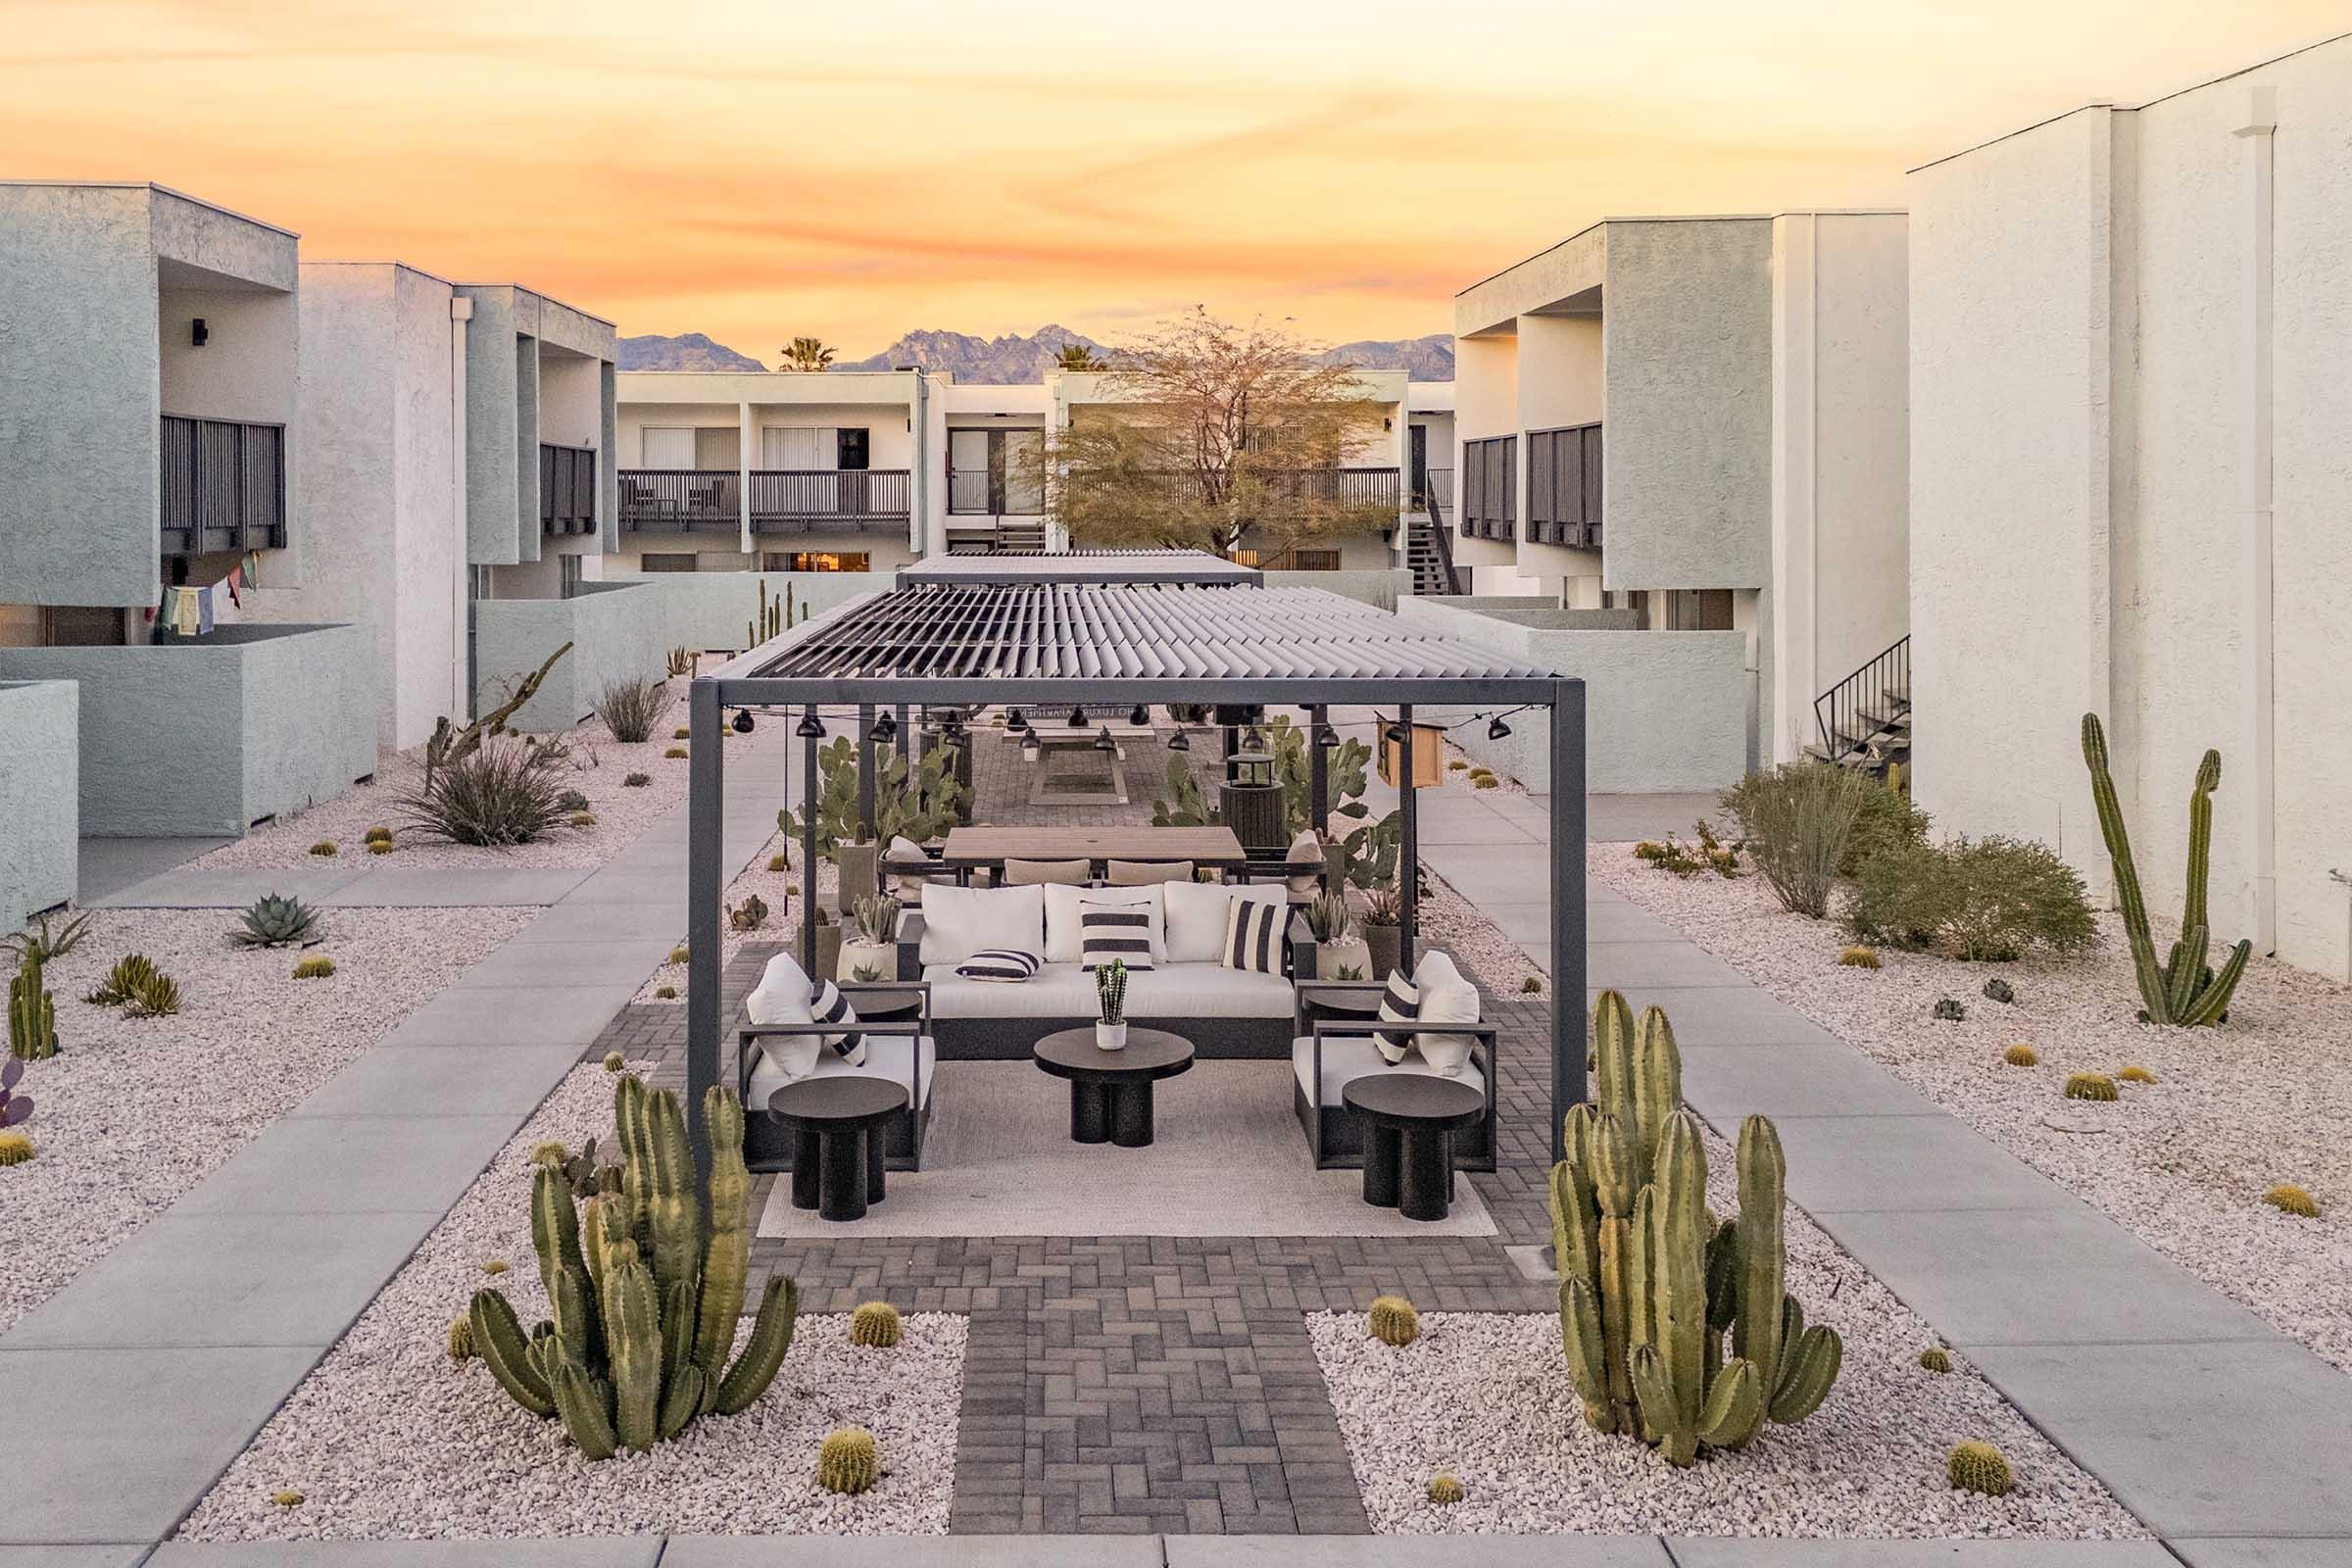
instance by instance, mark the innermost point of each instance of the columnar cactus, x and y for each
(1650, 1284)
(2185, 990)
(646, 1300)
(1110, 989)
(31, 1012)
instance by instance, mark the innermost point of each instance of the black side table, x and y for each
(1410, 1122)
(1110, 1090)
(837, 1140)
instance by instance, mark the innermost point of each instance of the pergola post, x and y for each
(808, 847)
(706, 840)
(1408, 851)
(1567, 906)
(1318, 769)
(865, 771)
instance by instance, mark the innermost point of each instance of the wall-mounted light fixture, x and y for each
(200, 334)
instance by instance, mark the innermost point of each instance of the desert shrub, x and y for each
(1989, 900)
(1889, 822)
(637, 781)
(501, 795)
(629, 707)
(1797, 820)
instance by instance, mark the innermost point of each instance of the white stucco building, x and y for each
(1702, 420)
(2130, 335)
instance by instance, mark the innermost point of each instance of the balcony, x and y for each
(224, 486)
(818, 500)
(1563, 486)
(1490, 489)
(566, 489)
(1433, 491)
(681, 501)
(992, 493)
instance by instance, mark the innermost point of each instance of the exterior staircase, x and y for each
(1864, 722)
(1429, 555)
(1019, 539)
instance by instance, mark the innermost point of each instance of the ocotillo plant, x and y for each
(646, 1301)
(2185, 990)
(1649, 1285)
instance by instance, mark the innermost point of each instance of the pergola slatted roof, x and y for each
(1081, 567)
(1123, 632)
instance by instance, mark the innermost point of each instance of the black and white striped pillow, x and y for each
(1252, 936)
(1400, 1004)
(830, 1007)
(1121, 931)
(1007, 965)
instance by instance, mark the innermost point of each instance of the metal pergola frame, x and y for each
(739, 684)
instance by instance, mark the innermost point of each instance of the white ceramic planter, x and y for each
(1354, 953)
(1110, 1035)
(857, 952)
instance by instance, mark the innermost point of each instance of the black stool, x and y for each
(1410, 1122)
(838, 1139)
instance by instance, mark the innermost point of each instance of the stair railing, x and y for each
(1436, 532)
(1839, 712)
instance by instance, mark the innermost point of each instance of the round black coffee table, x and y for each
(838, 1135)
(1110, 1090)
(1410, 1122)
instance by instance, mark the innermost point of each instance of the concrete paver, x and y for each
(513, 1015)
(1719, 1552)
(1726, 1083)
(2260, 1552)
(1918, 1164)
(619, 1551)
(352, 1166)
(569, 963)
(1727, 1015)
(917, 1552)
(1417, 1551)
(415, 1081)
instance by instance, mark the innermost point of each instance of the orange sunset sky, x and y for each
(855, 170)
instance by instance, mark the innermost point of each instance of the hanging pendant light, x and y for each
(1013, 720)
(811, 727)
(886, 727)
(1139, 717)
(1103, 742)
(1180, 742)
(1077, 719)
(1031, 747)
(743, 722)
(1498, 729)
(1254, 740)
(1326, 736)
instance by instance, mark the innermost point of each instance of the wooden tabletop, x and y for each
(992, 845)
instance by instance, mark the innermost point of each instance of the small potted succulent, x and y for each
(1383, 924)
(874, 945)
(1110, 989)
(1337, 947)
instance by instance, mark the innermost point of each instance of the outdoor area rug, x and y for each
(1228, 1159)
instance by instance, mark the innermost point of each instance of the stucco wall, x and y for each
(1663, 711)
(40, 763)
(189, 736)
(616, 632)
(1687, 454)
(493, 500)
(77, 412)
(709, 610)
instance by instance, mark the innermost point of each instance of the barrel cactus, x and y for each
(646, 1297)
(1446, 1490)
(1650, 1284)
(1935, 1359)
(2184, 989)
(1392, 1320)
(2090, 1086)
(875, 1323)
(277, 922)
(848, 1461)
(460, 1337)
(15, 1149)
(1859, 957)
(2134, 1075)
(2022, 1055)
(1980, 1467)
(2288, 1199)
(31, 1012)
(317, 966)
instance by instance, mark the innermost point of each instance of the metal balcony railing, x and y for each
(805, 500)
(681, 501)
(223, 485)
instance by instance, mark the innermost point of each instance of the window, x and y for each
(850, 450)
(993, 472)
(1292, 560)
(653, 560)
(568, 572)
(1563, 486)
(665, 447)
(816, 561)
(1698, 610)
(719, 446)
(808, 448)
(1491, 488)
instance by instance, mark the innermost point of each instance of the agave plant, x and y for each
(43, 943)
(279, 923)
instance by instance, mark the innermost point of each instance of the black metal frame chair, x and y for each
(765, 1145)
(1331, 1136)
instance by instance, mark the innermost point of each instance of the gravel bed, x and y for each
(2181, 1162)
(1487, 1397)
(595, 768)
(780, 891)
(131, 1112)
(390, 1439)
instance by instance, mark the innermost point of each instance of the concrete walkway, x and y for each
(129, 1391)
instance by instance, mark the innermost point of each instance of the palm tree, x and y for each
(1076, 357)
(807, 354)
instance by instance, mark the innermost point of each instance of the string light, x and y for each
(1498, 730)
(1180, 742)
(811, 727)
(743, 722)
(1013, 720)
(1103, 742)
(1077, 719)
(886, 728)
(1139, 717)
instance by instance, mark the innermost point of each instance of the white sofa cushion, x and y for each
(1065, 943)
(1346, 1057)
(887, 1056)
(958, 922)
(1306, 851)
(1057, 991)
(1067, 991)
(1196, 915)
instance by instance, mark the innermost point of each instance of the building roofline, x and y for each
(405, 267)
(165, 190)
(2145, 103)
(543, 298)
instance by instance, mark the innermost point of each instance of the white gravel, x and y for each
(2181, 1162)
(131, 1112)
(1488, 1397)
(390, 1439)
(780, 891)
(595, 768)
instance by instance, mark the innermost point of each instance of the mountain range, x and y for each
(1012, 358)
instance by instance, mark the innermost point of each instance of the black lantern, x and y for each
(811, 727)
(886, 728)
(743, 722)
(1139, 717)
(1498, 729)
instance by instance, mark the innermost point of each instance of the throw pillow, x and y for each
(958, 922)
(1004, 965)
(1445, 998)
(1400, 1004)
(1254, 936)
(908, 867)
(1065, 942)
(1306, 863)
(1195, 917)
(830, 1007)
(782, 997)
(1114, 931)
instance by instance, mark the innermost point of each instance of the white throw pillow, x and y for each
(1196, 915)
(1445, 998)
(1065, 944)
(958, 922)
(782, 997)
(904, 887)
(1306, 850)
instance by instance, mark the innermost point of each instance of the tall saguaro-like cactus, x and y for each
(2184, 989)
(644, 1306)
(31, 1012)
(1649, 1284)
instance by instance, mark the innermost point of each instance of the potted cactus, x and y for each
(874, 943)
(1383, 927)
(1110, 991)
(1337, 947)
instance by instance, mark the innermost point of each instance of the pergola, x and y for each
(1196, 566)
(1044, 644)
